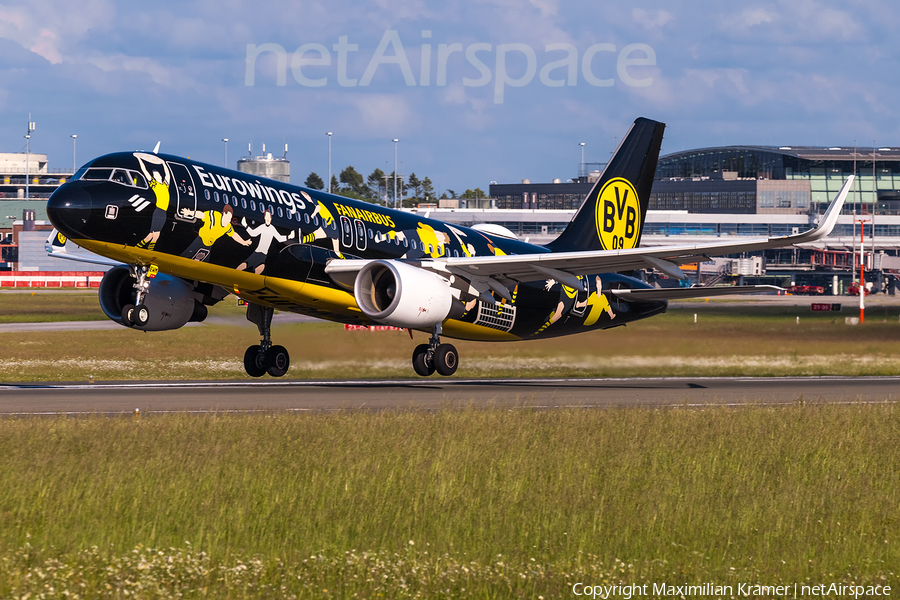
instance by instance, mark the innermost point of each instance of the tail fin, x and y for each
(56, 243)
(612, 216)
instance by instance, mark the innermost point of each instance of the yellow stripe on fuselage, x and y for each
(285, 294)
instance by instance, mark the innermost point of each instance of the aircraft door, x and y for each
(185, 191)
(346, 232)
(361, 240)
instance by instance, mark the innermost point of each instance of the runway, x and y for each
(277, 395)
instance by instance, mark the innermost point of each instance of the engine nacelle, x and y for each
(401, 295)
(170, 300)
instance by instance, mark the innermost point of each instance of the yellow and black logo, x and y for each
(60, 239)
(618, 215)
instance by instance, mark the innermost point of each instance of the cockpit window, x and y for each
(98, 174)
(129, 178)
(137, 180)
(120, 176)
(79, 174)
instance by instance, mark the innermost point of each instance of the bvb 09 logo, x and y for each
(618, 215)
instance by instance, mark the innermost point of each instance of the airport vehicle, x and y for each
(808, 290)
(184, 234)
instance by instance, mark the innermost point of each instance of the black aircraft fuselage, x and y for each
(269, 243)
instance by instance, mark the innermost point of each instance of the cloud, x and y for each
(652, 19)
(52, 29)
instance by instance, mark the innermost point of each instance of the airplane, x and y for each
(182, 235)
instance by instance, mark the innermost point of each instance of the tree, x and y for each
(415, 186)
(353, 179)
(452, 193)
(376, 183)
(314, 182)
(427, 190)
(335, 186)
(476, 193)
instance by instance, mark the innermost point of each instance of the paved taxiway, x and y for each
(112, 398)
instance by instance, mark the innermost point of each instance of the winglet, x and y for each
(156, 148)
(828, 221)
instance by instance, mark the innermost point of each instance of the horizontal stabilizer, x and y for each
(692, 292)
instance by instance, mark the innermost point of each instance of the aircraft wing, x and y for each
(566, 266)
(492, 273)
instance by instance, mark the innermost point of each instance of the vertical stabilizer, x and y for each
(612, 216)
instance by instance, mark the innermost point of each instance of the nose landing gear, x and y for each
(264, 357)
(435, 356)
(137, 314)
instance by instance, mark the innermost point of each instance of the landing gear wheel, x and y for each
(140, 315)
(446, 359)
(421, 365)
(127, 312)
(255, 361)
(277, 361)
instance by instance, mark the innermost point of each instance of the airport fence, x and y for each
(50, 279)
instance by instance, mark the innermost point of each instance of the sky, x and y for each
(475, 92)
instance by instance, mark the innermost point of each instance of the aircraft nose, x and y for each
(69, 209)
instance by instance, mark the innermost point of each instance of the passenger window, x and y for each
(406, 243)
(243, 203)
(414, 245)
(206, 194)
(306, 218)
(279, 213)
(371, 234)
(253, 205)
(455, 254)
(216, 196)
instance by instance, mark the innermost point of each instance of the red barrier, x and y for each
(51, 279)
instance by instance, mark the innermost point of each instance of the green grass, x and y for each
(496, 503)
(726, 340)
(43, 307)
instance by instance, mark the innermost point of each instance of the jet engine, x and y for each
(402, 295)
(170, 300)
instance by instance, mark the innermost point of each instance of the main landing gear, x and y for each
(264, 357)
(435, 356)
(137, 314)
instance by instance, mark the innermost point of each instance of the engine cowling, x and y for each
(170, 300)
(401, 295)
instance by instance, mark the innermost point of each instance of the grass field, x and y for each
(43, 306)
(495, 503)
(726, 340)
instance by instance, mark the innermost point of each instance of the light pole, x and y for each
(581, 174)
(74, 161)
(225, 140)
(395, 171)
(31, 128)
(329, 161)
